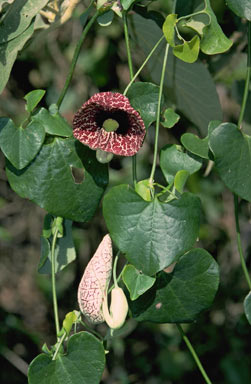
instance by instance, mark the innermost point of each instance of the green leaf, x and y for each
(173, 159)
(195, 145)
(144, 98)
(171, 118)
(241, 8)
(169, 29)
(151, 234)
(213, 40)
(69, 320)
(53, 123)
(136, 282)
(180, 180)
(247, 307)
(188, 51)
(84, 362)
(189, 86)
(127, 3)
(106, 18)
(18, 18)
(232, 155)
(143, 188)
(8, 54)
(20, 145)
(33, 98)
(64, 252)
(49, 180)
(197, 22)
(180, 296)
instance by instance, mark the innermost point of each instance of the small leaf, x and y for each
(84, 362)
(33, 98)
(69, 320)
(144, 190)
(198, 22)
(188, 51)
(241, 8)
(136, 282)
(20, 145)
(105, 19)
(232, 156)
(180, 180)
(195, 145)
(169, 29)
(171, 118)
(127, 3)
(151, 234)
(144, 98)
(64, 252)
(247, 307)
(173, 159)
(213, 41)
(53, 123)
(180, 296)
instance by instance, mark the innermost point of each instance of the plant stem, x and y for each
(114, 271)
(237, 226)
(194, 354)
(142, 66)
(53, 280)
(129, 58)
(158, 116)
(75, 58)
(246, 89)
(59, 345)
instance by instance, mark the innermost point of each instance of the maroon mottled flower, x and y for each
(108, 122)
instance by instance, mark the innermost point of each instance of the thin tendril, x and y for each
(53, 280)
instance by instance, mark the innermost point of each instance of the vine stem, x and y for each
(53, 280)
(114, 271)
(194, 354)
(59, 345)
(237, 226)
(246, 89)
(143, 64)
(75, 58)
(151, 179)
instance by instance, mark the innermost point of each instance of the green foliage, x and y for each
(53, 122)
(144, 98)
(232, 152)
(151, 234)
(51, 183)
(173, 159)
(24, 144)
(171, 118)
(83, 363)
(180, 296)
(195, 145)
(136, 282)
(241, 8)
(33, 98)
(247, 307)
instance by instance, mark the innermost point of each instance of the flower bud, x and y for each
(118, 308)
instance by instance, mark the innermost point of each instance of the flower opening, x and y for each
(108, 122)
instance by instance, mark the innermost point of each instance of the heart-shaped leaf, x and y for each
(232, 155)
(169, 29)
(136, 282)
(173, 159)
(247, 307)
(241, 8)
(171, 118)
(144, 98)
(64, 252)
(151, 234)
(180, 180)
(84, 362)
(195, 145)
(49, 180)
(188, 51)
(179, 297)
(33, 98)
(197, 22)
(20, 145)
(53, 123)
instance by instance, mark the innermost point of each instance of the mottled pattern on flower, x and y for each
(88, 122)
(94, 282)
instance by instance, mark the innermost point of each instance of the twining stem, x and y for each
(194, 354)
(237, 226)
(75, 58)
(53, 280)
(151, 179)
(142, 66)
(59, 345)
(246, 89)
(129, 58)
(114, 271)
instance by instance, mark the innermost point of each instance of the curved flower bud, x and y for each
(94, 282)
(118, 308)
(107, 121)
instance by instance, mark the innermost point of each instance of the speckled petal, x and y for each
(94, 282)
(87, 124)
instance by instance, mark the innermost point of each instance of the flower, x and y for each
(108, 122)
